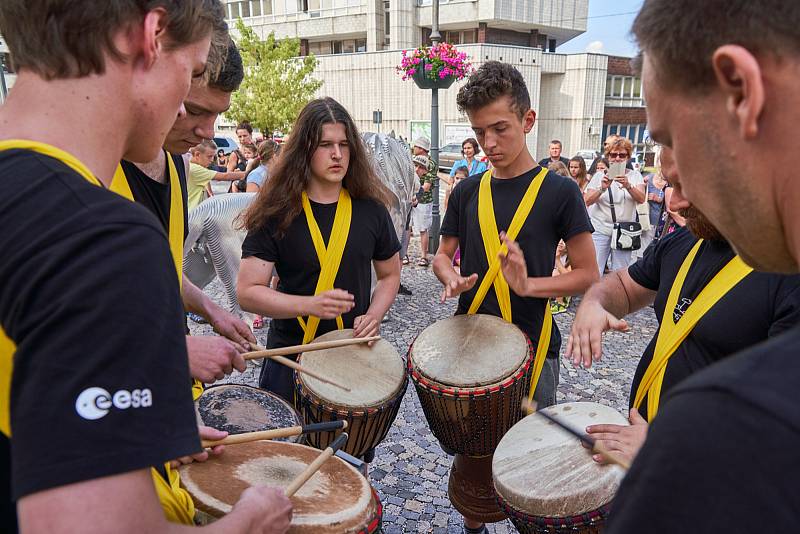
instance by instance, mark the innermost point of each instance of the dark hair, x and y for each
(494, 80)
(59, 39)
(245, 126)
(471, 141)
(231, 72)
(604, 161)
(462, 169)
(280, 200)
(682, 46)
(556, 142)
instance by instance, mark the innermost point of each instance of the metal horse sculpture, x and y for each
(213, 247)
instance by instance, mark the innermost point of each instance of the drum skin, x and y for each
(337, 499)
(377, 379)
(236, 409)
(471, 373)
(547, 481)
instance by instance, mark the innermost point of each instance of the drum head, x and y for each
(236, 409)
(373, 374)
(541, 470)
(335, 499)
(469, 350)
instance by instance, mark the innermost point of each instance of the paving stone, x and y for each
(410, 470)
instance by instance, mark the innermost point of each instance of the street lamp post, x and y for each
(435, 224)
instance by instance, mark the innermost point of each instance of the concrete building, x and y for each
(7, 75)
(358, 44)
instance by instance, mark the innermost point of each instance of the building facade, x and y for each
(358, 44)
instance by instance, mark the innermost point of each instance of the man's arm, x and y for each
(224, 322)
(388, 274)
(127, 503)
(255, 295)
(602, 309)
(454, 284)
(584, 273)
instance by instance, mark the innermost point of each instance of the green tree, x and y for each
(277, 82)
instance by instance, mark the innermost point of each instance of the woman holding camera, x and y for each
(612, 197)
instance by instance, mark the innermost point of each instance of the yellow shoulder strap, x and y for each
(494, 275)
(7, 346)
(671, 335)
(119, 184)
(330, 258)
(175, 501)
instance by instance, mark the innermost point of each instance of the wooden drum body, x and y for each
(236, 409)
(546, 481)
(471, 373)
(337, 499)
(377, 379)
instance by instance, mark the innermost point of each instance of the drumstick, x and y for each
(276, 433)
(530, 407)
(314, 466)
(261, 352)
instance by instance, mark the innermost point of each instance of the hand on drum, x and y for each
(213, 357)
(623, 440)
(585, 342)
(515, 270)
(458, 285)
(232, 327)
(365, 326)
(206, 432)
(269, 508)
(332, 303)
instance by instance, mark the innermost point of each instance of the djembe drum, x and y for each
(376, 378)
(337, 499)
(546, 481)
(236, 409)
(471, 373)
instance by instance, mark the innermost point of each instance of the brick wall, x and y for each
(619, 66)
(625, 115)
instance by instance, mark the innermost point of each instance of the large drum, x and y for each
(337, 499)
(235, 409)
(546, 481)
(471, 373)
(376, 378)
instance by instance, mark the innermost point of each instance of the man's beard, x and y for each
(699, 225)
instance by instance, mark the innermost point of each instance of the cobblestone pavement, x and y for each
(410, 470)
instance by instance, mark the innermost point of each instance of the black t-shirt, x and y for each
(156, 196)
(547, 161)
(100, 368)
(721, 455)
(559, 213)
(371, 237)
(762, 305)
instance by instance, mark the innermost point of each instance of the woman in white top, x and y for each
(627, 191)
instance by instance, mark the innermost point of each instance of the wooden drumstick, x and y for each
(276, 433)
(291, 364)
(314, 466)
(530, 407)
(261, 352)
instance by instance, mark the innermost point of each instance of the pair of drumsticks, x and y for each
(279, 353)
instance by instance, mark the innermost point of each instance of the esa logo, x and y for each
(94, 403)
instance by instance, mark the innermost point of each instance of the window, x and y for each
(255, 8)
(348, 46)
(337, 47)
(637, 88)
(617, 87)
(361, 45)
(624, 87)
(469, 36)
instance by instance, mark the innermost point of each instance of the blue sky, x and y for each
(608, 30)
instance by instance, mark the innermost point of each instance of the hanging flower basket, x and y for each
(435, 67)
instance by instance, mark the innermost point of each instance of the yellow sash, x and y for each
(329, 258)
(175, 501)
(494, 276)
(119, 184)
(671, 335)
